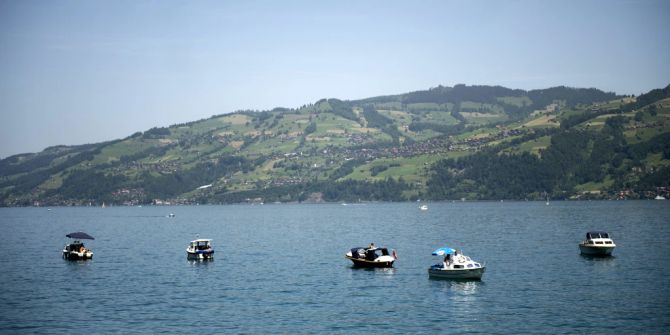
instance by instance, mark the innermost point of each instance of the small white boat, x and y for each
(424, 207)
(659, 197)
(200, 249)
(597, 243)
(76, 250)
(371, 257)
(456, 266)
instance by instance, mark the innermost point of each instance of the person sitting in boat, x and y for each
(82, 249)
(370, 254)
(457, 256)
(446, 262)
(372, 245)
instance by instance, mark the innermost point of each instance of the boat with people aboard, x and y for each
(456, 266)
(200, 249)
(371, 257)
(597, 243)
(76, 250)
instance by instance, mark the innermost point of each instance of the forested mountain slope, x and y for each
(472, 142)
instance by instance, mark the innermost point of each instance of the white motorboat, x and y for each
(200, 249)
(371, 257)
(456, 266)
(659, 197)
(597, 243)
(76, 250)
(424, 207)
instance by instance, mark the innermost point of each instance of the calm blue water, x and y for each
(280, 269)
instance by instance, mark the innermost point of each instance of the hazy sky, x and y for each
(75, 72)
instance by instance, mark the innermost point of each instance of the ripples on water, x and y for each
(281, 269)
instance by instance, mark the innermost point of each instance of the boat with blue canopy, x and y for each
(456, 266)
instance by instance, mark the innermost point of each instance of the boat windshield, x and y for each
(372, 254)
(597, 234)
(200, 245)
(594, 234)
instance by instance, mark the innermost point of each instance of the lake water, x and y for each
(281, 269)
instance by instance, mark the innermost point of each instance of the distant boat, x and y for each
(597, 243)
(103, 205)
(456, 266)
(171, 215)
(76, 249)
(424, 207)
(200, 249)
(659, 197)
(371, 257)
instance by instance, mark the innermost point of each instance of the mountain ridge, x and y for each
(391, 147)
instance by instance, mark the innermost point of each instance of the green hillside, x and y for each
(473, 142)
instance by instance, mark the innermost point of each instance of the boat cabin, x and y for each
(598, 237)
(596, 234)
(201, 244)
(76, 246)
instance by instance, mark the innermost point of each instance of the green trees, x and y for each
(89, 185)
(375, 119)
(348, 190)
(311, 127)
(574, 157)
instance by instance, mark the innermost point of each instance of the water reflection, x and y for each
(377, 270)
(200, 263)
(598, 257)
(461, 287)
(358, 272)
(78, 264)
(598, 261)
(463, 298)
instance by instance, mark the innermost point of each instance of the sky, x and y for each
(76, 72)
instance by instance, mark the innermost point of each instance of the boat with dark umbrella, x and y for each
(76, 250)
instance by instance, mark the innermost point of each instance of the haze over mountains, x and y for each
(444, 143)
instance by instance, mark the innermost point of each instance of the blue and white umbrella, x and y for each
(443, 251)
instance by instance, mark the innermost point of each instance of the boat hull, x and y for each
(596, 250)
(362, 263)
(457, 274)
(200, 255)
(77, 256)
